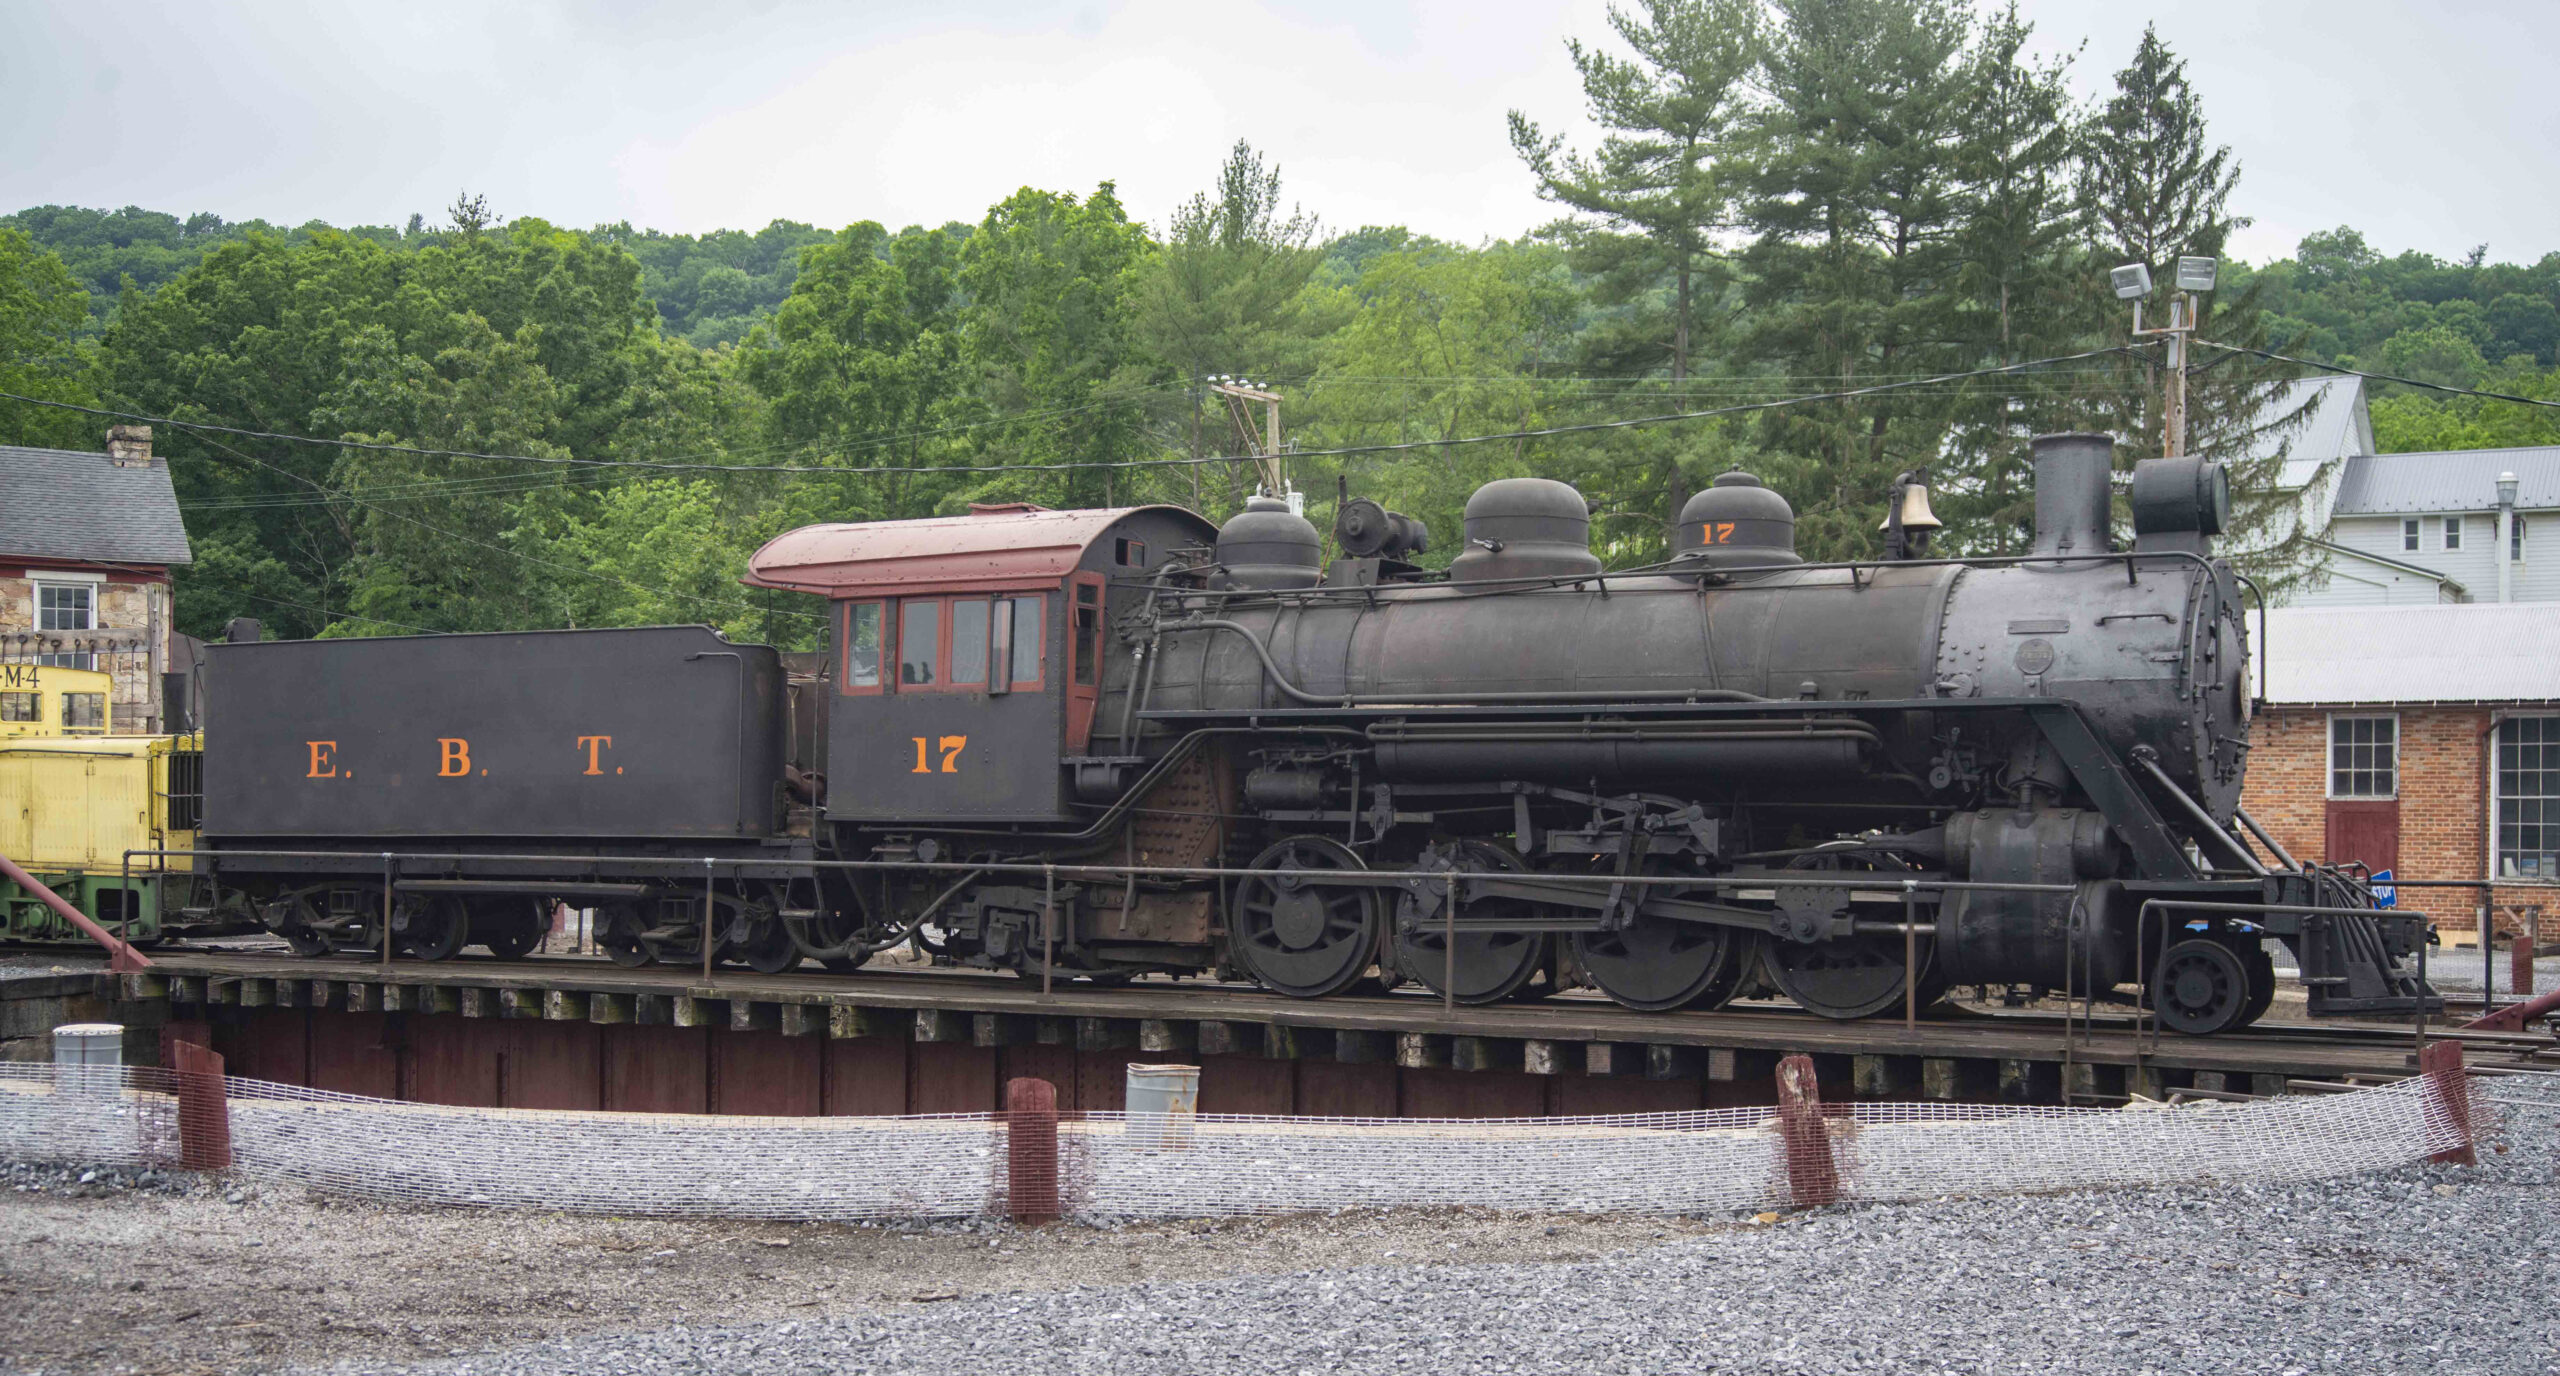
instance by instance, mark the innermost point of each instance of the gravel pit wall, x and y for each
(1120, 1166)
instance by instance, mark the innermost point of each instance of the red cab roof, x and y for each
(990, 548)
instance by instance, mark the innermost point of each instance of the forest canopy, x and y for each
(1783, 198)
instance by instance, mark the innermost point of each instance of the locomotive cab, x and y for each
(970, 652)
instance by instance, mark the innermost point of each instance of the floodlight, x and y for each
(2132, 282)
(2196, 274)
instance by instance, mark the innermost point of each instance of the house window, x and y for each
(2515, 539)
(67, 607)
(2364, 757)
(2409, 534)
(21, 707)
(2529, 798)
(2453, 532)
(84, 711)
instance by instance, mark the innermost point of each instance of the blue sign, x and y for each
(2384, 895)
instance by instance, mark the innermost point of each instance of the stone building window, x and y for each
(67, 607)
(2529, 798)
(2364, 757)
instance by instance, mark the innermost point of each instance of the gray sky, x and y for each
(2433, 126)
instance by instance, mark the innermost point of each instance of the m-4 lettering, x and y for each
(950, 746)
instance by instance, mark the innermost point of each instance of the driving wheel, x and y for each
(1302, 938)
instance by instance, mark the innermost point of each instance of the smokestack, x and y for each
(2071, 492)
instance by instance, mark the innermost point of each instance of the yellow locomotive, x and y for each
(74, 799)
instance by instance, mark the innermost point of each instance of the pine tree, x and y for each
(2157, 190)
(1857, 203)
(2021, 281)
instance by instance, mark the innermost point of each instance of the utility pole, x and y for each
(1264, 448)
(2133, 283)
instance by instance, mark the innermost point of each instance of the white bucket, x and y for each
(89, 1056)
(1163, 1105)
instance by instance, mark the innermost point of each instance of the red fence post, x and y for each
(1813, 1178)
(2450, 1091)
(204, 1108)
(1031, 1150)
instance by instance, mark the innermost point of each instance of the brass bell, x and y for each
(1915, 507)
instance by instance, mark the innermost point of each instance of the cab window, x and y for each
(21, 707)
(968, 642)
(84, 711)
(919, 642)
(862, 647)
(1027, 621)
(1088, 634)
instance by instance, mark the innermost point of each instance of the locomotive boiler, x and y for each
(1103, 744)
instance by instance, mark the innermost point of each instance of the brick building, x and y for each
(2424, 740)
(86, 544)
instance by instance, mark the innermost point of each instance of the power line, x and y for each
(2377, 377)
(1548, 432)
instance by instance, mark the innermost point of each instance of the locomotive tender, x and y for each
(1724, 774)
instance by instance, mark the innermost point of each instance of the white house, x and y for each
(2425, 528)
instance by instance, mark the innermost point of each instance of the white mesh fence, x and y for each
(1113, 1165)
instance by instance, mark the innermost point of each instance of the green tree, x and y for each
(41, 312)
(1858, 199)
(1046, 332)
(1222, 295)
(1655, 186)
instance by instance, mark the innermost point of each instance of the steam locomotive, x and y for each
(1099, 744)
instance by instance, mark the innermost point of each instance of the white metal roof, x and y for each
(2330, 409)
(2446, 652)
(2455, 480)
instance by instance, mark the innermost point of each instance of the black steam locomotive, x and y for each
(1098, 744)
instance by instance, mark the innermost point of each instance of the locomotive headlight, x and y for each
(2132, 282)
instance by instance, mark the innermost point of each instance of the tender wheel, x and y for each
(768, 949)
(2200, 988)
(1853, 977)
(435, 929)
(508, 927)
(617, 929)
(1301, 939)
(1490, 966)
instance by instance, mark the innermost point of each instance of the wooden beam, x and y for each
(520, 1003)
(292, 993)
(1733, 1064)
(324, 993)
(222, 993)
(747, 1015)
(609, 1010)
(941, 1025)
(437, 998)
(999, 1029)
(804, 1019)
(142, 986)
(1540, 1057)
(1362, 1048)
(563, 1005)
(653, 1010)
(1666, 1062)
(1612, 1058)
(258, 993)
(362, 997)
(1881, 1077)
(479, 1003)
(1106, 1034)
(394, 998)
(689, 1011)
(1054, 1031)
(186, 989)
(1165, 1036)
(1221, 1038)
(1422, 1051)
(1484, 1053)
(854, 1020)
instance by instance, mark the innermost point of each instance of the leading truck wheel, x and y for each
(1300, 938)
(2201, 987)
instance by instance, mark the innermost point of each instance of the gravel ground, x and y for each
(2425, 1269)
(184, 1274)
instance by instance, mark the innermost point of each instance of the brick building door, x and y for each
(2366, 833)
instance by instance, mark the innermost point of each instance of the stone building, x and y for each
(87, 541)
(2420, 739)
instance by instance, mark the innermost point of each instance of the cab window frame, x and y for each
(892, 615)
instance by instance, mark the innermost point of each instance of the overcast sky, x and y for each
(2433, 126)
